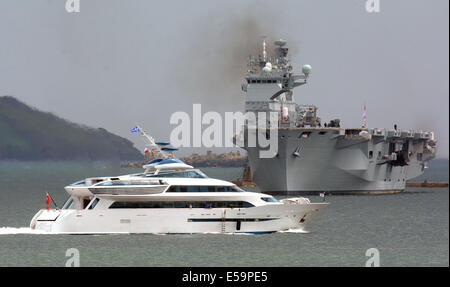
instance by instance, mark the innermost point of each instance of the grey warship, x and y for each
(315, 157)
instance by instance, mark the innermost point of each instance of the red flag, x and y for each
(48, 199)
(146, 150)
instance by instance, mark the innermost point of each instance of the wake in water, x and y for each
(20, 230)
(293, 231)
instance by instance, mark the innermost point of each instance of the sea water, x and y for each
(408, 229)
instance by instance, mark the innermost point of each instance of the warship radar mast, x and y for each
(269, 88)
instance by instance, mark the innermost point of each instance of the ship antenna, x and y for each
(364, 123)
(264, 48)
(151, 141)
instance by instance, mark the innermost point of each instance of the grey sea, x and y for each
(408, 229)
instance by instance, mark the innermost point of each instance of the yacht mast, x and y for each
(151, 141)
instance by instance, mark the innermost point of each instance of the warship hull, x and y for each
(340, 161)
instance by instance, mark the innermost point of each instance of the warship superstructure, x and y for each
(315, 157)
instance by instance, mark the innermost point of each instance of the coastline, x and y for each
(210, 159)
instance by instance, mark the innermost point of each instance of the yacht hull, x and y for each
(260, 219)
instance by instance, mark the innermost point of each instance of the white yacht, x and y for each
(171, 197)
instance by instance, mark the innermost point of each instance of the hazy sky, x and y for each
(117, 63)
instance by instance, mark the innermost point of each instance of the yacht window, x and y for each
(128, 182)
(204, 188)
(370, 154)
(68, 203)
(65, 202)
(174, 189)
(269, 199)
(81, 182)
(108, 183)
(94, 203)
(192, 189)
(200, 173)
(183, 174)
(181, 204)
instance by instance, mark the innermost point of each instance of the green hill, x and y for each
(29, 134)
